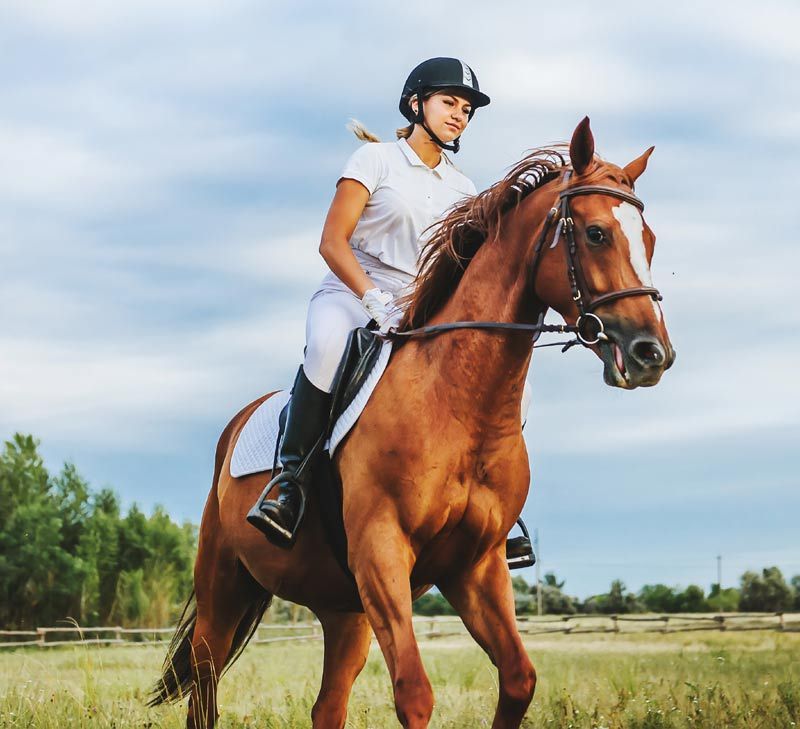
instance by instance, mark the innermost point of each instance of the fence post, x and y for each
(615, 622)
(721, 620)
(781, 624)
(42, 633)
(665, 629)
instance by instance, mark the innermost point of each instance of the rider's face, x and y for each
(446, 114)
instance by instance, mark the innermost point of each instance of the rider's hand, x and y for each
(379, 305)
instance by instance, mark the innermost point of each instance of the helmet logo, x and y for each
(467, 74)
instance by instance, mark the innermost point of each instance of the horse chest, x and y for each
(473, 500)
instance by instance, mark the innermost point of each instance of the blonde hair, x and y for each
(365, 135)
(361, 131)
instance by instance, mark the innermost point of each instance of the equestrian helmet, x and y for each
(441, 73)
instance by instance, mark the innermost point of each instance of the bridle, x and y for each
(577, 281)
(580, 292)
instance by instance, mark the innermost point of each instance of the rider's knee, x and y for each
(323, 354)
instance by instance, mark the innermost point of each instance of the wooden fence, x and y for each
(426, 628)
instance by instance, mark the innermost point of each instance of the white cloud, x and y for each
(770, 30)
(94, 17)
(59, 172)
(730, 388)
(120, 394)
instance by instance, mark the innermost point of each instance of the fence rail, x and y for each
(429, 628)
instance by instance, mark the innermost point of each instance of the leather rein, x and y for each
(580, 292)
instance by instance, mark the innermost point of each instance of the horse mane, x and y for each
(458, 237)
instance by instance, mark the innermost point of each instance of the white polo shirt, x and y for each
(406, 196)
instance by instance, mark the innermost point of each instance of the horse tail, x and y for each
(247, 628)
(176, 673)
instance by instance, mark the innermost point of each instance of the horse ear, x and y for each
(581, 148)
(634, 169)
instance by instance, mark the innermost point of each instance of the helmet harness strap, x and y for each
(420, 119)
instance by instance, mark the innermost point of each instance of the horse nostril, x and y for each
(648, 352)
(673, 355)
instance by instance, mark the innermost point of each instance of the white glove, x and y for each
(380, 307)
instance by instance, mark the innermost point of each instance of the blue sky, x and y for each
(167, 167)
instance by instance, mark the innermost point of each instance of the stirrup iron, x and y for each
(519, 550)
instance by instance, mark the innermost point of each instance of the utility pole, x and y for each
(538, 571)
(719, 571)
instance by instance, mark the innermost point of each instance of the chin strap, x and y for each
(420, 119)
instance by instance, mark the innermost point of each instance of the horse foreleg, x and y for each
(484, 599)
(347, 639)
(382, 564)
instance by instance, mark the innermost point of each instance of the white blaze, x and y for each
(630, 220)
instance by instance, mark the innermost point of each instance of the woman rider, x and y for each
(386, 196)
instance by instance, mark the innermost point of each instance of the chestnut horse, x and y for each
(435, 472)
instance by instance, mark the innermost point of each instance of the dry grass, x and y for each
(639, 682)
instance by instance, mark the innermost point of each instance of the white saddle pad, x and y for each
(255, 448)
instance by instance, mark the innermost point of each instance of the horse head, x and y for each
(595, 268)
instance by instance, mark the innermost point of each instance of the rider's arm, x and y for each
(348, 204)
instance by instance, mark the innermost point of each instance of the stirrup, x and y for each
(519, 550)
(271, 529)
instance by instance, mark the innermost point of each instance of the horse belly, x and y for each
(307, 574)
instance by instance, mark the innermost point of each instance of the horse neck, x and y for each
(487, 368)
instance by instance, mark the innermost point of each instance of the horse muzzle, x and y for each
(635, 360)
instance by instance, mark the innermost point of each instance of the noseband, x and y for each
(580, 292)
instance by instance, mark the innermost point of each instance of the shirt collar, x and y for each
(414, 159)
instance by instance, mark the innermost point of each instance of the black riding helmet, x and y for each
(440, 73)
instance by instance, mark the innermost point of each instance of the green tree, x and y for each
(554, 600)
(795, 583)
(658, 598)
(551, 580)
(432, 603)
(524, 596)
(723, 601)
(131, 600)
(101, 547)
(66, 552)
(616, 601)
(692, 600)
(36, 573)
(134, 549)
(767, 592)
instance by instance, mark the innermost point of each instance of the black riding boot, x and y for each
(279, 517)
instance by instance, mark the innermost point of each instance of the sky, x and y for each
(167, 166)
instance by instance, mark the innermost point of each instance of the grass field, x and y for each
(639, 681)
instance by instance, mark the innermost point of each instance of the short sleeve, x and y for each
(365, 166)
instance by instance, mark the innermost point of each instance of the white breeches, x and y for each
(334, 311)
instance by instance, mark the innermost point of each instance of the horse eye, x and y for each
(595, 235)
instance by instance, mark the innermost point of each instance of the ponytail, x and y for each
(361, 131)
